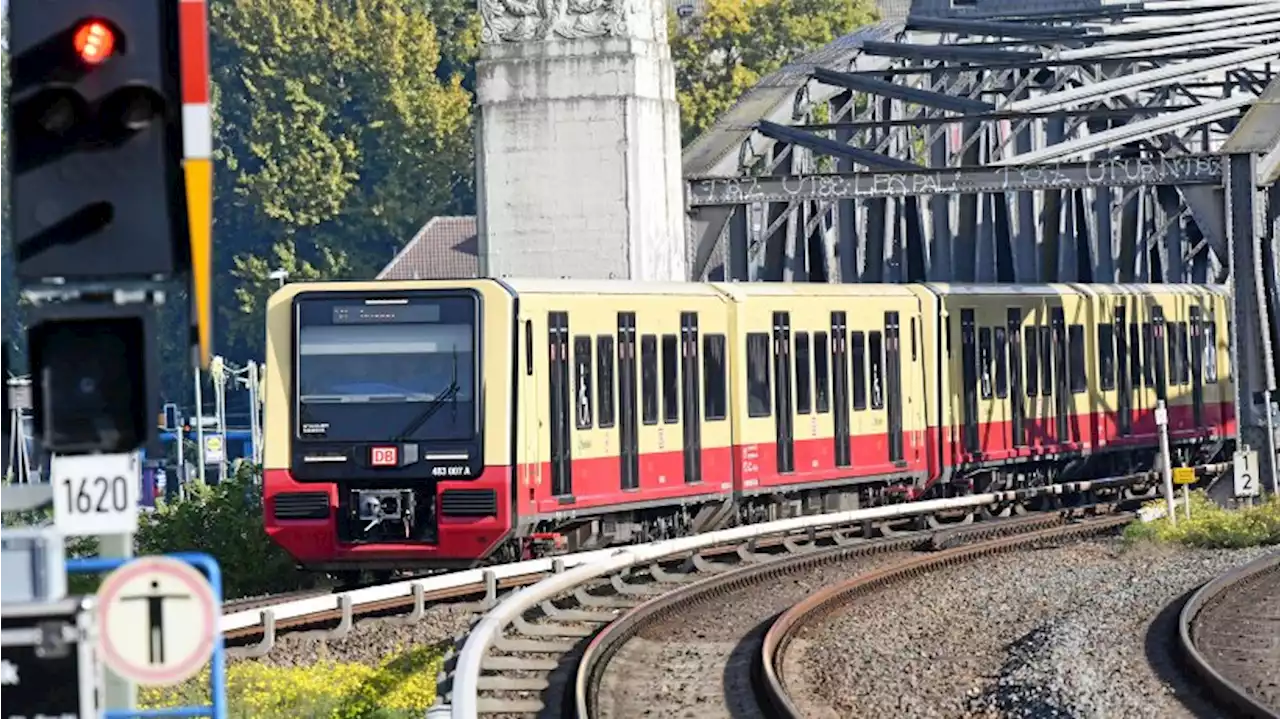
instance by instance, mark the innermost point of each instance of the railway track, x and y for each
(545, 650)
(251, 627)
(740, 680)
(1229, 636)
(771, 681)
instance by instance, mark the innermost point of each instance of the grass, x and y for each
(1212, 526)
(403, 686)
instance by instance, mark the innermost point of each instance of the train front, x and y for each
(388, 423)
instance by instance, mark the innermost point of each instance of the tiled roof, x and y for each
(445, 248)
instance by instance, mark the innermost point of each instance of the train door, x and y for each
(1062, 403)
(840, 390)
(1124, 387)
(691, 398)
(561, 404)
(893, 380)
(1196, 360)
(628, 412)
(1158, 354)
(782, 411)
(969, 369)
(1017, 404)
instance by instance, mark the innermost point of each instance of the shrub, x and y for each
(224, 521)
(1212, 526)
(404, 685)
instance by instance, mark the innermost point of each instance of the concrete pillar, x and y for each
(578, 141)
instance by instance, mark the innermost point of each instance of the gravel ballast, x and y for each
(372, 639)
(1076, 631)
(696, 664)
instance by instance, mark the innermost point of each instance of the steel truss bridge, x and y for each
(1016, 142)
(989, 142)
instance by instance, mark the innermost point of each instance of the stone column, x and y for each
(578, 141)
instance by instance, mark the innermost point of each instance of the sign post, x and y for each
(157, 619)
(1244, 466)
(1166, 460)
(97, 494)
(1185, 476)
(49, 666)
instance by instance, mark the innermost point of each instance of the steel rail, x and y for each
(466, 677)
(1224, 691)
(605, 645)
(771, 683)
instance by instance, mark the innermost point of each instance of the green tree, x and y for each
(726, 50)
(337, 136)
(246, 320)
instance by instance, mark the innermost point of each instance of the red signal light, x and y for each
(94, 42)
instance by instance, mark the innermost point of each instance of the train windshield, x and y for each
(387, 372)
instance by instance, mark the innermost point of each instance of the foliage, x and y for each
(245, 322)
(1212, 526)
(336, 137)
(404, 685)
(723, 52)
(224, 521)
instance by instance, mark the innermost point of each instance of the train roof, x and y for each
(547, 286)
(1074, 288)
(746, 290)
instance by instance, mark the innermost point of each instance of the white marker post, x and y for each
(1244, 470)
(1166, 458)
(97, 494)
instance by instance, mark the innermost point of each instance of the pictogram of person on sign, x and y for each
(155, 600)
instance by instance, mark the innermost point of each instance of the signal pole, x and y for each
(111, 188)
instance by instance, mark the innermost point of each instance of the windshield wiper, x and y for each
(430, 410)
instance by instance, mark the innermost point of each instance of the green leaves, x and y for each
(722, 53)
(339, 133)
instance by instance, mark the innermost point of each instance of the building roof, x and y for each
(445, 248)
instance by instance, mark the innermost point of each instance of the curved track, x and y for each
(596, 660)
(772, 681)
(1229, 634)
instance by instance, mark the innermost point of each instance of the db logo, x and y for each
(385, 456)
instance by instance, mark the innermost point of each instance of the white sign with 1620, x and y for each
(96, 494)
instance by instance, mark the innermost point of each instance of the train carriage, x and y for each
(831, 387)
(1046, 375)
(437, 424)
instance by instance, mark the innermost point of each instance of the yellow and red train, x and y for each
(439, 424)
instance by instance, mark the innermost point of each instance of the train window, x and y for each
(1046, 362)
(875, 348)
(1148, 354)
(715, 377)
(1171, 353)
(984, 362)
(649, 379)
(528, 347)
(1078, 375)
(804, 400)
(859, 354)
(914, 354)
(604, 380)
(582, 381)
(1184, 353)
(1211, 352)
(1029, 344)
(821, 372)
(670, 379)
(758, 404)
(1002, 363)
(1107, 355)
(1135, 355)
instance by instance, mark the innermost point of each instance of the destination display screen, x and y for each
(386, 313)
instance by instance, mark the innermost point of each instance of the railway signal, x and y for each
(112, 190)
